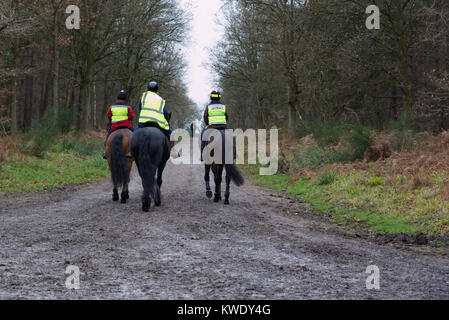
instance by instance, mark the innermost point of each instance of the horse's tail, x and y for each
(119, 169)
(146, 169)
(235, 174)
(232, 169)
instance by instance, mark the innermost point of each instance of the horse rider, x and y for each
(153, 111)
(215, 116)
(120, 116)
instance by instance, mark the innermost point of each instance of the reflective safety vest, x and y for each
(217, 114)
(119, 113)
(153, 110)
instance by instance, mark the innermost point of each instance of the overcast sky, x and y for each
(206, 31)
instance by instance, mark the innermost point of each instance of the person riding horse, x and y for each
(215, 116)
(150, 144)
(120, 116)
(153, 111)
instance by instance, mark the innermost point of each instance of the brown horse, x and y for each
(120, 162)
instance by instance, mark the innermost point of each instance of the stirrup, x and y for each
(105, 157)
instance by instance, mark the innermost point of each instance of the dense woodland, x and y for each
(302, 63)
(70, 77)
(296, 64)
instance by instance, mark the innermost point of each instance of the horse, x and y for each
(119, 161)
(232, 172)
(150, 149)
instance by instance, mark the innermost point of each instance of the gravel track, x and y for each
(262, 246)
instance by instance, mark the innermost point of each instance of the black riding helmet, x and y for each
(153, 87)
(215, 95)
(121, 95)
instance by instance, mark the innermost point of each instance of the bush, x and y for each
(39, 140)
(359, 140)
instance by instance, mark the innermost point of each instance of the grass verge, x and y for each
(362, 200)
(70, 161)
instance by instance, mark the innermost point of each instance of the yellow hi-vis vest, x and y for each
(119, 113)
(153, 110)
(217, 114)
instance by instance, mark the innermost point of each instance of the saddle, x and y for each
(155, 125)
(123, 127)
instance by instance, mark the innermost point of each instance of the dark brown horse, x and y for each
(232, 172)
(120, 162)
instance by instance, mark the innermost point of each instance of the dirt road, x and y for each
(260, 247)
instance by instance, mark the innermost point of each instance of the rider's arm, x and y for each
(166, 113)
(206, 116)
(130, 113)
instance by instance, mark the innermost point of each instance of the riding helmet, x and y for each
(153, 86)
(215, 95)
(121, 95)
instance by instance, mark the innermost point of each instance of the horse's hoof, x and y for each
(123, 200)
(217, 199)
(146, 206)
(115, 198)
(226, 202)
(209, 194)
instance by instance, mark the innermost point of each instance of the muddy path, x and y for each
(260, 247)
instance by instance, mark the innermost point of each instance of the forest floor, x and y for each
(264, 245)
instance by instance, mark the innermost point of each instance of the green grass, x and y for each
(70, 162)
(363, 200)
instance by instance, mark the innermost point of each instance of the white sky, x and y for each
(205, 32)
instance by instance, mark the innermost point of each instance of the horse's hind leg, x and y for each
(115, 196)
(218, 178)
(157, 186)
(124, 195)
(207, 180)
(146, 201)
(125, 190)
(228, 187)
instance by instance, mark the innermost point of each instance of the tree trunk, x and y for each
(14, 85)
(56, 66)
(44, 94)
(28, 107)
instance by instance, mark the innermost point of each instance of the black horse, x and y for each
(150, 149)
(232, 172)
